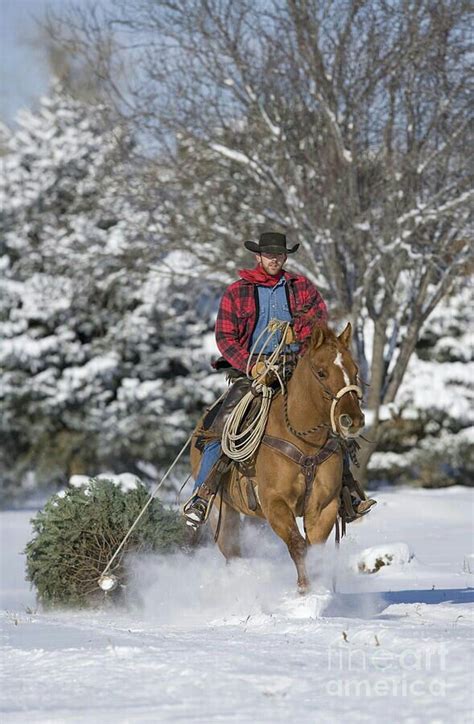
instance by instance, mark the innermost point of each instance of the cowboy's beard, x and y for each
(272, 266)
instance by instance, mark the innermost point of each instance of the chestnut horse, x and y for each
(320, 408)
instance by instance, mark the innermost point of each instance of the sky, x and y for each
(23, 66)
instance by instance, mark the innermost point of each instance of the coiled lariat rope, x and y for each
(239, 444)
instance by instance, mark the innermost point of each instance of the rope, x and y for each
(300, 433)
(141, 513)
(241, 445)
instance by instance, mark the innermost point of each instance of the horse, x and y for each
(297, 470)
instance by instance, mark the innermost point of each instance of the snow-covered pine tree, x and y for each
(99, 352)
(428, 435)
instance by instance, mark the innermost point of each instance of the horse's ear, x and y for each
(317, 337)
(346, 336)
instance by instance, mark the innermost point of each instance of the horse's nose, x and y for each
(351, 425)
(345, 421)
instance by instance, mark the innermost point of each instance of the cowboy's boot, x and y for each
(354, 501)
(196, 510)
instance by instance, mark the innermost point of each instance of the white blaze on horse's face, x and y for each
(339, 363)
(347, 418)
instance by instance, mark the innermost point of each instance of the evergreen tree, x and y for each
(79, 530)
(427, 435)
(99, 352)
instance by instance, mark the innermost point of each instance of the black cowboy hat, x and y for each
(270, 243)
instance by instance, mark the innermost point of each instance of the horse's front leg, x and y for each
(320, 521)
(282, 520)
(323, 503)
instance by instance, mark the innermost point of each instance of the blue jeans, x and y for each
(209, 458)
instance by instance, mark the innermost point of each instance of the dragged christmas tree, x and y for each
(79, 530)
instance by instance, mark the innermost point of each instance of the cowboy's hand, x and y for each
(260, 373)
(289, 336)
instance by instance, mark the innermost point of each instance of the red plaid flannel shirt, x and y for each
(237, 316)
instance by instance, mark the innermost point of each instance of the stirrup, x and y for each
(196, 510)
(352, 512)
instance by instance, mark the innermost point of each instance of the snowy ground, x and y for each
(216, 643)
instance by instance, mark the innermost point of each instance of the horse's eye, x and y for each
(322, 373)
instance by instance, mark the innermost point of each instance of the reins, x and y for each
(300, 433)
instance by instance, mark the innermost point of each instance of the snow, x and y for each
(347, 155)
(234, 155)
(385, 412)
(125, 481)
(375, 558)
(211, 642)
(447, 390)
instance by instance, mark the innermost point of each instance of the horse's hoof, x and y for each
(303, 588)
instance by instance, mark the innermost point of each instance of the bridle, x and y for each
(347, 389)
(335, 397)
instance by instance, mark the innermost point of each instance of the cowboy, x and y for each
(262, 294)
